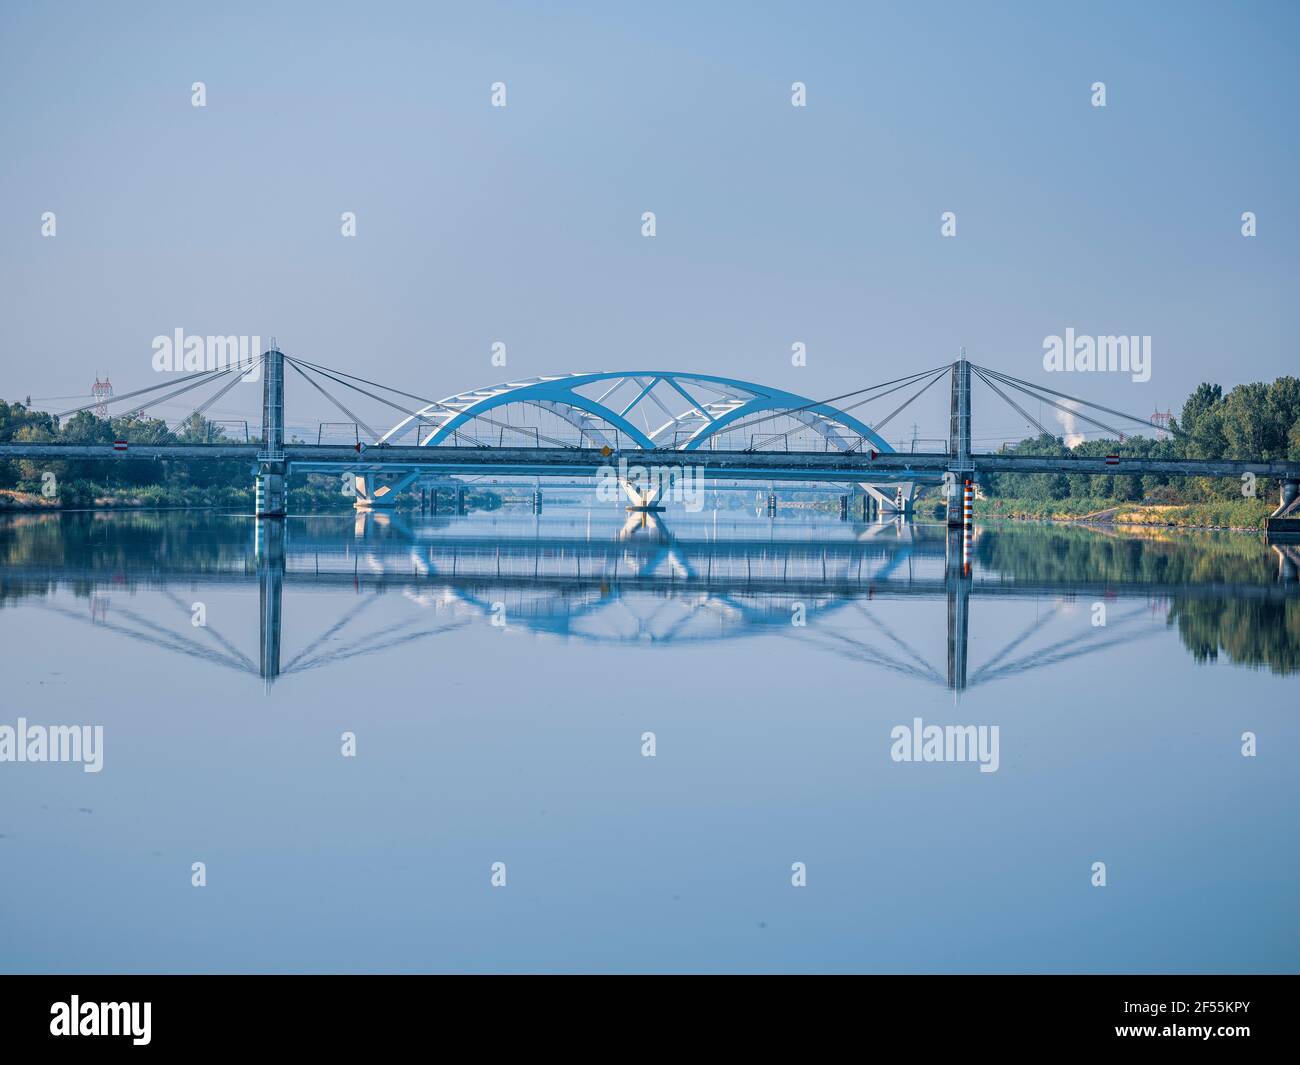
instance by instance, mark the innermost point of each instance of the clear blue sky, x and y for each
(775, 224)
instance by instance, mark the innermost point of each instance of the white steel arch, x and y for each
(689, 410)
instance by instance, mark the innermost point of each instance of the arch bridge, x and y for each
(683, 426)
(626, 413)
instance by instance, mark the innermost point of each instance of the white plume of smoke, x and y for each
(1072, 435)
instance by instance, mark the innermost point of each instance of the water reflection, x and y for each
(593, 576)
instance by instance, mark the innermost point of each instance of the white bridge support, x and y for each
(376, 490)
(898, 502)
(643, 499)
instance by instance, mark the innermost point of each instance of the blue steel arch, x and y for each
(703, 418)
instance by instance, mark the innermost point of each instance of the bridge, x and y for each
(649, 433)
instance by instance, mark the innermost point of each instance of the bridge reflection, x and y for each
(700, 585)
(580, 576)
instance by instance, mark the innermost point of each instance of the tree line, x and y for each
(1252, 421)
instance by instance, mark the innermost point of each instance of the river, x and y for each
(570, 742)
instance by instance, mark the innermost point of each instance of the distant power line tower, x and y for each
(102, 391)
(1162, 420)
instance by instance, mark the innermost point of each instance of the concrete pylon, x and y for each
(960, 466)
(270, 491)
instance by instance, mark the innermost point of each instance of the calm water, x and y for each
(499, 672)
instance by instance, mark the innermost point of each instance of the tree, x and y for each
(1202, 423)
(1206, 397)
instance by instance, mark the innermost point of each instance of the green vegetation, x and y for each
(1263, 635)
(108, 483)
(77, 483)
(1211, 514)
(1260, 421)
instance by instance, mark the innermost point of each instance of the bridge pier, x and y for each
(269, 492)
(379, 490)
(961, 504)
(643, 499)
(460, 501)
(880, 503)
(1284, 523)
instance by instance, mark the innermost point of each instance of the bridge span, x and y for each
(581, 425)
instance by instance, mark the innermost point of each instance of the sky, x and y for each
(774, 224)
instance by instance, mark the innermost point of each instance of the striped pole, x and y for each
(967, 524)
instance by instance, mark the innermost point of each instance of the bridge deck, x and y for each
(737, 465)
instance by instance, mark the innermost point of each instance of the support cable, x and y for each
(786, 412)
(890, 417)
(907, 382)
(1024, 413)
(208, 374)
(1008, 379)
(389, 388)
(415, 414)
(203, 407)
(1062, 407)
(181, 391)
(298, 370)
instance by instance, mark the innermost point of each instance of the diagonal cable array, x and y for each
(1012, 403)
(195, 380)
(898, 383)
(321, 389)
(338, 376)
(1001, 384)
(906, 403)
(1042, 393)
(203, 407)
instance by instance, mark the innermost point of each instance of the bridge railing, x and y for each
(354, 431)
(519, 436)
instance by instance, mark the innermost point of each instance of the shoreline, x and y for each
(1086, 520)
(1102, 524)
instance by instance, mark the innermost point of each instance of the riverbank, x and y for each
(1241, 515)
(146, 497)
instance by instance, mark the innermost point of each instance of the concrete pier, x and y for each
(1284, 523)
(270, 492)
